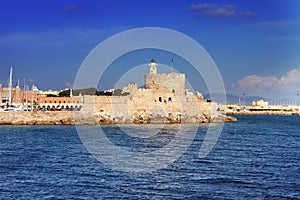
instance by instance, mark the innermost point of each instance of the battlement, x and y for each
(173, 81)
(170, 75)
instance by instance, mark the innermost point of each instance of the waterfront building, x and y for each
(59, 103)
(46, 100)
(49, 92)
(260, 103)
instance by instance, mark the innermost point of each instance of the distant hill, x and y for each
(234, 99)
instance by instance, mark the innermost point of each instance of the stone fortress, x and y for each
(164, 99)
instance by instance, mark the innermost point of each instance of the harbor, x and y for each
(164, 99)
(194, 99)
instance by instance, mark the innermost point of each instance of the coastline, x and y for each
(282, 113)
(85, 118)
(88, 118)
(37, 118)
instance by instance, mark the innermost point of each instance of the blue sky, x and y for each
(254, 43)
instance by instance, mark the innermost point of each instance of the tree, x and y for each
(103, 93)
(51, 95)
(65, 93)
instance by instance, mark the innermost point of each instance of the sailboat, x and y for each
(10, 107)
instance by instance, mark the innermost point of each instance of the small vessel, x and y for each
(13, 108)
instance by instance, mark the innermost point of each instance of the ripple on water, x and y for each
(255, 158)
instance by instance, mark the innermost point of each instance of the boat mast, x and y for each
(18, 92)
(10, 88)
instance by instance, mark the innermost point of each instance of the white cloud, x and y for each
(255, 81)
(270, 86)
(218, 10)
(291, 77)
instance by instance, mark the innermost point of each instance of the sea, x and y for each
(257, 157)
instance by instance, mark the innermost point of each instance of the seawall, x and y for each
(37, 118)
(77, 117)
(286, 113)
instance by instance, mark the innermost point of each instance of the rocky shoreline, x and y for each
(90, 118)
(283, 113)
(77, 117)
(36, 118)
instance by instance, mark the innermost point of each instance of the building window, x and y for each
(159, 99)
(170, 99)
(45, 101)
(173, 90)
(54, 101)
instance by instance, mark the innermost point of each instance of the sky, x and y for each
(254, 43)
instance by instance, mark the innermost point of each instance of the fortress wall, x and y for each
(150, 104)
(142, 107)
(175, 82)
(120, 108)
(103, 104)
(108, 103)
(155, 103)
(111, 108)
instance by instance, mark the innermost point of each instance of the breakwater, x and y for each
(78, 117)
(247, 112)
(36, 118)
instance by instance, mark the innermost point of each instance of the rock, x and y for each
(230, 119)
(89, 118)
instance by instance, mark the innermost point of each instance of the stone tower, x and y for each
(153, 67)
(175, 82)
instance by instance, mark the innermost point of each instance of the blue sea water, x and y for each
(257, 157)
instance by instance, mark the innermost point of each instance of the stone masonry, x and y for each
(163, 100)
